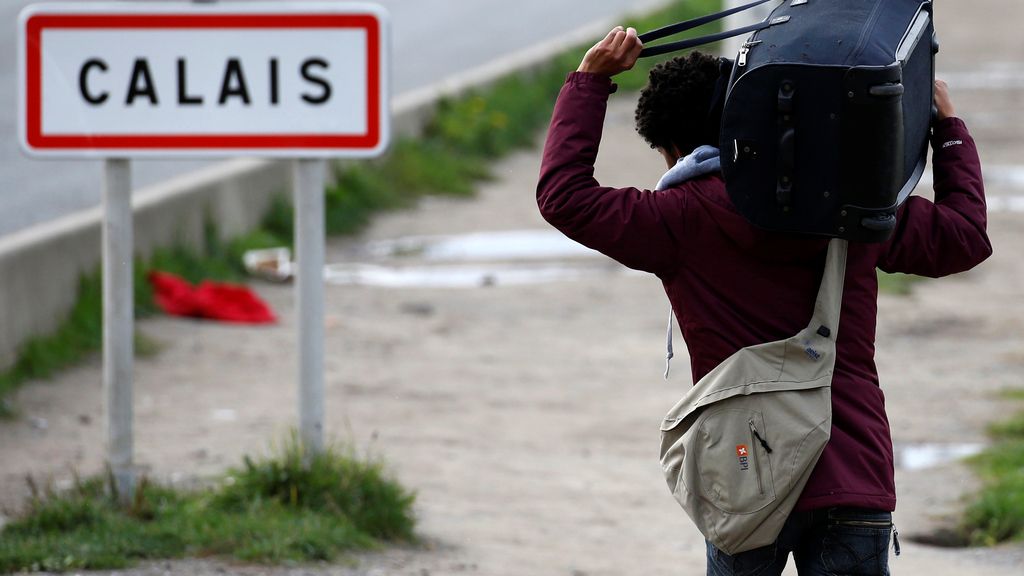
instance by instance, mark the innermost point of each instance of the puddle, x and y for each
(459, 276)
(483, 246)
(475, 260)
(1007, 177)
(1005, 203)
(1010, 177)
(1004, 175)
(994, 76)
(923, 456)
(224, 415)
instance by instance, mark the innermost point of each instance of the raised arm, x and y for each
(633, 226)
(949, 235)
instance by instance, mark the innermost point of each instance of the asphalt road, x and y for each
(431, 39)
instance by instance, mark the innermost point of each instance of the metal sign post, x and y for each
(118, 323)
(308, 184)
(173, 80)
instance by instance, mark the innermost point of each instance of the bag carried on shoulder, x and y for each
(827, 114)
(737, 450)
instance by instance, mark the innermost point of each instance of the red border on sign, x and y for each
(34, 90)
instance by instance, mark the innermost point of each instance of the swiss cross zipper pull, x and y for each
(744, 50)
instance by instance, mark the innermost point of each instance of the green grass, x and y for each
(457, 145)
(451, 157)
(1013, 394)
(997, 513)
(897, 284)
(289, 507)
(82, 333)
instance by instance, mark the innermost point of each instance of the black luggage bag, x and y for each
(828, 113)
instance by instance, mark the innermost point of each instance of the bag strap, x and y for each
(694, 23)
(829, 304)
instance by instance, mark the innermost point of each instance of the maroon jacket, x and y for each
(733, 285)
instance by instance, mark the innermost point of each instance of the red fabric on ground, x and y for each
(232, 303)
(211, 300)
(173, 294)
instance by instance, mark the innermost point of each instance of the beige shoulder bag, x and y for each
(738, 449)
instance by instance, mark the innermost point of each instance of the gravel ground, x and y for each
(526, 416)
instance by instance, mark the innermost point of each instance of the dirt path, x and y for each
(526, 416)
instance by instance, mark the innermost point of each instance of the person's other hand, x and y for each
(616, 53)
(943, 102)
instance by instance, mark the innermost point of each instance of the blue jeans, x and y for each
(827, 542)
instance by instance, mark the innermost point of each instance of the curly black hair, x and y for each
(676, 108)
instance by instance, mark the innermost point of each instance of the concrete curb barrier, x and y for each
(40, 266)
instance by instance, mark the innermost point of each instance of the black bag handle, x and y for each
(694, 23)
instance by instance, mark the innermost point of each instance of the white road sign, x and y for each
(296, 79)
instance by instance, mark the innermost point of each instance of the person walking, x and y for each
(732, 285)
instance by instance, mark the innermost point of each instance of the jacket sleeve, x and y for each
(949, 235)
(635, 227)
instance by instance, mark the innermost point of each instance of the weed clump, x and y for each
(292, 506)
(997, 513)
(333, 481)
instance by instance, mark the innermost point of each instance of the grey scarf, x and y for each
(703, 160)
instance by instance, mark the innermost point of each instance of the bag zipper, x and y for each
(864, 34)
(754, 436)
(741, 61)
